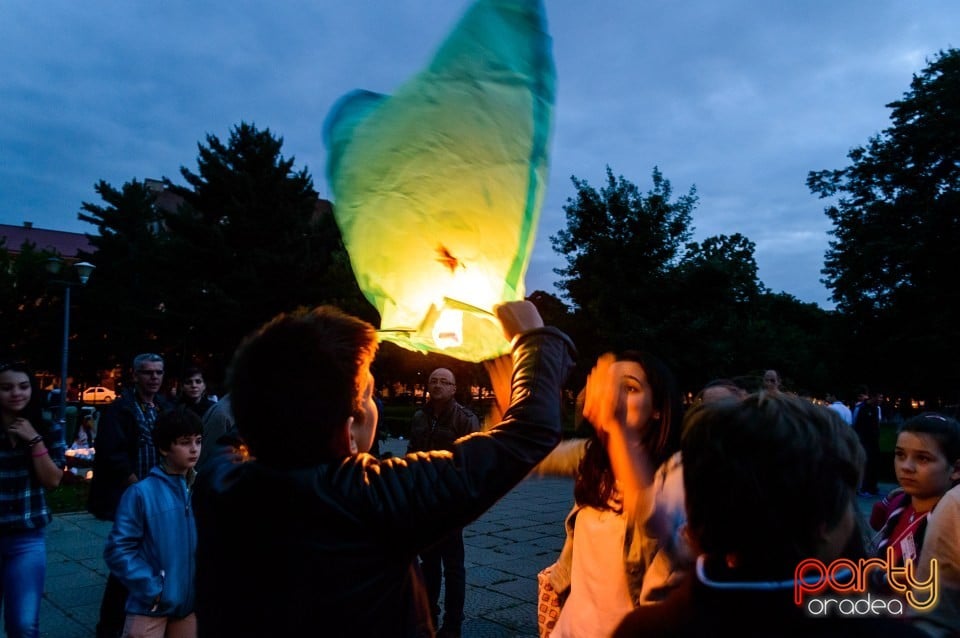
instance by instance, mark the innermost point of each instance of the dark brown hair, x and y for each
(296, 380)
(763, 475)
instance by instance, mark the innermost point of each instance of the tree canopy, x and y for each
(891, 264)
(637, 281)
(30, 306)
(246, 239)
(620, 246)
(123, 312)
(250, 240)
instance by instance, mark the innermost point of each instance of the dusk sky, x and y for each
(739, 98)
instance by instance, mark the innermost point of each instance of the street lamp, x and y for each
(83, 270)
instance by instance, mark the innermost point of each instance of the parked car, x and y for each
(98, 394)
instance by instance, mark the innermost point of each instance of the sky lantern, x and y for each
(438, 188)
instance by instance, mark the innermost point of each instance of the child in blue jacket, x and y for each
(152, 545)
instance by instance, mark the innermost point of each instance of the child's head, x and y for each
(770, 481)
(719, 390)
(193, 384)
(177, 435)
(927, 455)
(296, 382)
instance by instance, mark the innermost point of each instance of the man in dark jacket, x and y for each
(310, 535)
(125, 454)
(435, 427)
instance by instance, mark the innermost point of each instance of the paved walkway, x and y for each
(505, 549)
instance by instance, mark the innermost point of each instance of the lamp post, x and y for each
(83, 270)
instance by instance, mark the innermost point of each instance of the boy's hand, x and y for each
(517, 317)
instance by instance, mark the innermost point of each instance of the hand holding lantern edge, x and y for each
(517, 317)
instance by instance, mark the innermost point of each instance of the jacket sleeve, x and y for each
(470, 422)
(124, 553)
(417, 499)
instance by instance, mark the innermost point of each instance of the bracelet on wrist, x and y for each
(34, 441)
(37, 455)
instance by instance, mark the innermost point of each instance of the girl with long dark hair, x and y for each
(31, 460)
(601, 570)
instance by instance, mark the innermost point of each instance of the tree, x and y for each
(711, 320)
(620, 247)
(636, 281)
(892, 262)
(29, 308)
(250, 240)
(124, 308)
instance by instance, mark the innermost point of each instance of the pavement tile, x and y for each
(526, 567)
(481, 601)
(482, 576)
(518, 535)
(524, 589)
(483, 628)
(513, 550)
(521, 619)
(482, 527)
(480, 542)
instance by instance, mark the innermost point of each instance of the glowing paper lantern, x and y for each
(438, 188)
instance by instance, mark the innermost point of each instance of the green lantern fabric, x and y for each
(438, 188)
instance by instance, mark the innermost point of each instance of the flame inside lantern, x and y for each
(448, 330)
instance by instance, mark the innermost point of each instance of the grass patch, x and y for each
(70, 496)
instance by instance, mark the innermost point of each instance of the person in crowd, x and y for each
(31, 461)
(718, 390)
(665, 517)
(867, 427)
(87, 431)
(942, 542)
(604, 568)
(927, 463)
(330, 534)
(771, 381)
(770, 482)
(436, 426)
(193, 391)
(840, 408)
(151, 548)
(125, 454)
(217, 423)
(863, 393)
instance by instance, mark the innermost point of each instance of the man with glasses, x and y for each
(125, 454)
(435, 427)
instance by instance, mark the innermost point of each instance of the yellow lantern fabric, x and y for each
(438, 188)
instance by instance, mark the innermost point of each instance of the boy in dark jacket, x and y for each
(312, 535)
(152, 546)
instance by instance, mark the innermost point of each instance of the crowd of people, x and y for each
(711, 519)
